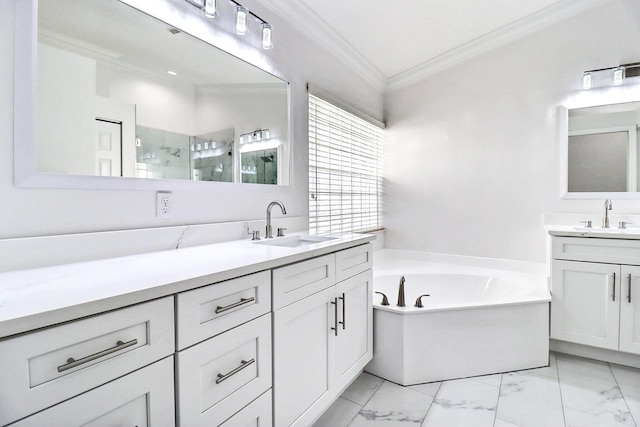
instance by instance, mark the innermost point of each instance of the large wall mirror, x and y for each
(600, 156)
(120, 94)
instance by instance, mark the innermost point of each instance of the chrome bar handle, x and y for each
(243, 364)
(629, 290)
(220, 309)
(613, 295)
(72, 363)
(344, 318)
(335, 312)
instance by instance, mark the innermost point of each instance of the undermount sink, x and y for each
(295, 241)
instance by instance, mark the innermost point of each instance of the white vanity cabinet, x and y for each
(323, 336)
(595, 292)
(45, 367)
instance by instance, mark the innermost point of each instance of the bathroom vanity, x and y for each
(595, 283)
(184, 337)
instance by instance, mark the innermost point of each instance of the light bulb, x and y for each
(241, 20)
(587, 80)
(267, 32)
(210, 9)
(618, 75)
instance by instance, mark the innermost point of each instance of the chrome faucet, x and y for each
(401, 293)
(605, 218)
(269, 233)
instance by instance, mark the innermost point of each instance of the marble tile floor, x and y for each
(572, 391)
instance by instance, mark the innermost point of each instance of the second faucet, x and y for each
(269, 231)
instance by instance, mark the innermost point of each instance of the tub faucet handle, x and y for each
(419, 301)
(385, 300)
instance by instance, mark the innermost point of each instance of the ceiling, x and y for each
(394, 43)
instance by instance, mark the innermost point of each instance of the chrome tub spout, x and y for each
(401, 293)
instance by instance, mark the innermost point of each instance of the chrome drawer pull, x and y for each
(613, 295)
(629, 290)
(242, 301)
(72, 363)
(344, 319)
(335, 314)
(244, 364)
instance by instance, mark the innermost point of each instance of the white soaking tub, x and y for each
(476, 321)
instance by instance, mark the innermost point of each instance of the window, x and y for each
(345, 170)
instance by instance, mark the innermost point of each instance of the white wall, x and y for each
(34, 212)
(471, 163)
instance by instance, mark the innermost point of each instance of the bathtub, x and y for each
(476, 321)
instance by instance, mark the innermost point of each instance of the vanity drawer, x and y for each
(353, 261)
(141, 398)
(297, 281)
(43, 368)
(223, 374)
(616, 251)
(257, 413)
(205, 312)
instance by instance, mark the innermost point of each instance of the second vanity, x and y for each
(234, 333)
(595, 283)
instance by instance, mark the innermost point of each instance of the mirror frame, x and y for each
(180, 15)
(588, 98)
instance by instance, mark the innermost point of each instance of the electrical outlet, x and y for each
(163, 204)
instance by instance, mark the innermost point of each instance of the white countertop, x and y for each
(595, 232)
(35, 298)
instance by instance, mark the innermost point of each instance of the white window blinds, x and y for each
(345, 170)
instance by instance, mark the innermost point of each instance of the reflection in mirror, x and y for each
(603, 148)
(144, 99)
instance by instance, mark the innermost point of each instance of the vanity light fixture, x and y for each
(618, 75)
(242, 26)
(210, 9)
(255, 136)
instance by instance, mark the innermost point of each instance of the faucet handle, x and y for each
(255, 234)
(385, 300)
(623, 224)
(418, 303)
(280, 232)
(587, 224)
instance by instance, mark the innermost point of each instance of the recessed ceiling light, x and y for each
(173, 73)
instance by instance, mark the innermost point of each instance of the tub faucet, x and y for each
(605, 218)
(401, 293)
(269, 233)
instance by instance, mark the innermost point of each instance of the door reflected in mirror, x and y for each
(144, 99)
(603, 149)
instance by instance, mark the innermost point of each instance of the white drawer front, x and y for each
(142, 398)
(296, 281)
(256, 414)
(353, 261)
(205, 312)
(224, 373)
(45, 367)
(617, 251)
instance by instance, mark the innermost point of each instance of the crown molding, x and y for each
(307, 22)
(506, 34)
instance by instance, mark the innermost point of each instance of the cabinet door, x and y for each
(303, 358)
(630, 310)
(354, 343)
(585, 304)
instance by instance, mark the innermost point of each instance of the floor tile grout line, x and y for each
(495, 416)
(622, 394)
(431, 404)
(564, 417)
